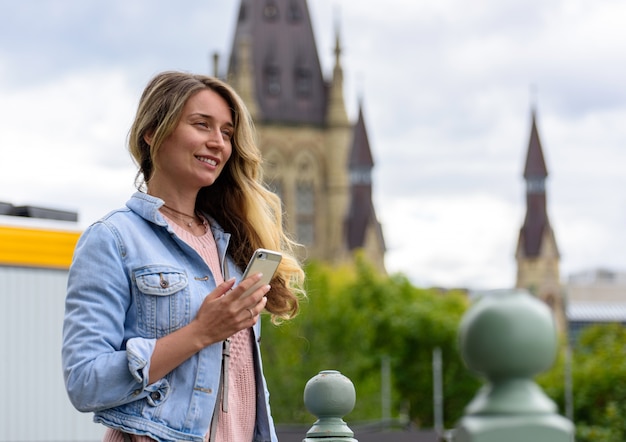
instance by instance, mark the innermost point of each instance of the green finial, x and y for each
(329, 396)
(508, 337)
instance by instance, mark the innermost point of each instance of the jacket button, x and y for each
(155, 395)
(164, 283)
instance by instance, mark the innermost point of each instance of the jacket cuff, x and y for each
(139, 351)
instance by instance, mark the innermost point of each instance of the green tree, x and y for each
(599, 385)
(353, 318)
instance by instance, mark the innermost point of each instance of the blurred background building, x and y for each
(588, 297)
(316, 159)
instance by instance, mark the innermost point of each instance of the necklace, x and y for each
(193, 217)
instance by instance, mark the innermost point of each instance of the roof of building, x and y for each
(360, 154)
(37, 212)
(596, 312)
(598, 276)
(599, 286)
(362, 213)
(288, 80)
(535, 163)
(536, 222)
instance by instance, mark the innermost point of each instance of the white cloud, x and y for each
(61, 141)
(454, 240)
(446, 94)
(448, 112)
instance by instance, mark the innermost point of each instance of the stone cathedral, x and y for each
(315, 158)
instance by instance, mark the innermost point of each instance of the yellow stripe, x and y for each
(31, 247)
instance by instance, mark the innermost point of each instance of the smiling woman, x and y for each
(164, 278)
(196, 151)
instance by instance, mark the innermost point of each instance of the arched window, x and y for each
(305, 209)
(305, 199)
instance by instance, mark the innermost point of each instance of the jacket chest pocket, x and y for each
(163, 299)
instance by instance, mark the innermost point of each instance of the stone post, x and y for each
(508, 338)
(329, 396)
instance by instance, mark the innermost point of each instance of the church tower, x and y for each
(305, 134)
(361, 224)
(537, 252)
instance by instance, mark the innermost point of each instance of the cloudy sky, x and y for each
(447, 88)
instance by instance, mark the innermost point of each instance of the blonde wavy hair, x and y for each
(238, 199)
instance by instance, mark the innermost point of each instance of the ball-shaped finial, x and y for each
(329, 394)
(507, 335)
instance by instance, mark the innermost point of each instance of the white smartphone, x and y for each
(262, 261)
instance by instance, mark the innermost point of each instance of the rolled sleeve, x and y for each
(139, 351)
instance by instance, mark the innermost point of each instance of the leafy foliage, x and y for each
(599, 385)
(352, 320)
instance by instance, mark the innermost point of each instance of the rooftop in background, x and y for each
(37, 212)
(596, 312)
(598, 286)
(598, 276)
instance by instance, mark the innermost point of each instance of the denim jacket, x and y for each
(132, 281)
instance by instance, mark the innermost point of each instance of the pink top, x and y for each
(236, 424)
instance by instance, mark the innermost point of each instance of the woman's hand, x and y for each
(223, 313)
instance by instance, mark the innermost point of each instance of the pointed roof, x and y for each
(535, 163)
(361, 214)
(360, 154)
(289, 84)
(536, 222)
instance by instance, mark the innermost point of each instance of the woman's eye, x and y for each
(227, 135)
(202, 124)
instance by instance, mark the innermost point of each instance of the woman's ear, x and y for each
(147, 137)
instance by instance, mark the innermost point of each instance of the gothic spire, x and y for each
(361, 213)
(535, 163)
(337, 114)
(536, 223)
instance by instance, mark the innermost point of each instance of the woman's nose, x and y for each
(215, 138)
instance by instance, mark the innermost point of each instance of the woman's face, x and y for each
(194, 155)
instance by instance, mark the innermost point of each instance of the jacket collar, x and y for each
(147, 206)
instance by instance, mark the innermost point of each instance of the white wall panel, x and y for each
(34, 405)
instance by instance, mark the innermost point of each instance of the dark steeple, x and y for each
(288, 83)
(536, 223)
(361, 213)
(360, 153)
(537, 254)
(535, 164)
